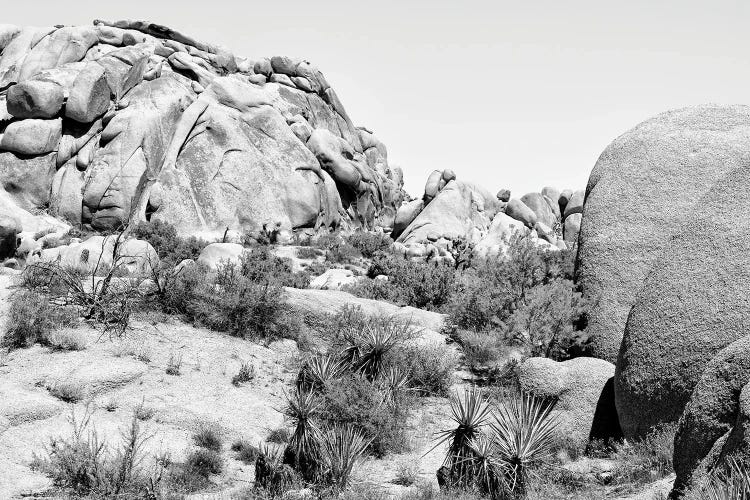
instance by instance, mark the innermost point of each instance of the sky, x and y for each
(507, 94)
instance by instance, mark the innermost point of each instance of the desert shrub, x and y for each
(354, 400)
(171, 248)
(99, 294)
(83, 464)
(174, 364)
(208, 436)
(480, 348)
(262, 266)
(246, 374)
(424, 285)
(67, 339)
(246, 451)
(144, 413)
(367, 348)
(407, 472)
(369, 243)
(204, 462)
(429, 369)
(646, 459)
(308, 253)
(280, 435)
(70, 391)
(528, 298)
(33, 318)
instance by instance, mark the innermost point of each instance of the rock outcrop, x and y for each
(131, 120)
(584, 395)
(715, 422)
(693, 303)
(638, 195)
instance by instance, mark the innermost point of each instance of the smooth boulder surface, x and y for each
(538, 204)
(218, 254)
(638, 195)
(35, 99)
(572, 227)
(333, 279)
(582, 388)
(693, 303)
(518, 210)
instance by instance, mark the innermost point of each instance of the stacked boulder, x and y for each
(453, 212)
(126, 121)
(668, 272)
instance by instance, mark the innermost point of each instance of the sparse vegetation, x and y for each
(369, 243)
(280, 435)
(205, 462)
(245, 451)
(208, 436)
(171, 248)
(84, 465)
(245, 375)
(32, 318)
(70, 391)
(174, 364)
(647, 459)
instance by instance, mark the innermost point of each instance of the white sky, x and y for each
(506, 93)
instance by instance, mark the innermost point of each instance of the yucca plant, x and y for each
(394, 381)
(731, 482)
(368, 348)
(342, 447)
(318, 370)
(470, 413)
(303, 450)
(523, 434)
(271, 474)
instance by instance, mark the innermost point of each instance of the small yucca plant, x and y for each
(303, 450)
(523, 434)
(395, 380)
(318, 370)
(729, 483)
(367, 350)
(470, 413)
(342, 447)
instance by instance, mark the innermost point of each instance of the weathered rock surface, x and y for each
(521, 212)
(103, 252)
(584, 393)
(164, 125)
(333, 279)
(692, 304)
(714, 423)
(217, 254)
(657, 164)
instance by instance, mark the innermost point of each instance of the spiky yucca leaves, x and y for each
(523, 434)
(318, 370)
(271, 474)
(342, 447)
(489, 472)
(470, 413)
(303, 450)
(367, 348)
(394, 381)
(731, 482)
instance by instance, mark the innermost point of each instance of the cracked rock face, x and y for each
(117, 122)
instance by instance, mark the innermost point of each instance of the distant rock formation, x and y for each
(453, 212)
(116, 122)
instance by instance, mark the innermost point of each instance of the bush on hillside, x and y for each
(424, 285)
(32, 318)
(171, 248)
(369, 243)
(527, 299)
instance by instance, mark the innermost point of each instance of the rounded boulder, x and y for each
(637, 198)
(583, 390)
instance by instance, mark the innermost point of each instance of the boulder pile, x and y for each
(453, 212)
(123, 121)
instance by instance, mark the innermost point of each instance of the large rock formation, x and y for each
(637, 197)
(693, 303)
(125, 121)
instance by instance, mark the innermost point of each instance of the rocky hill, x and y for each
(115, 122)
